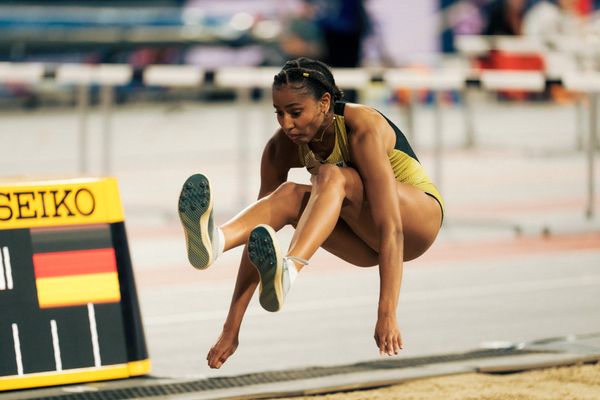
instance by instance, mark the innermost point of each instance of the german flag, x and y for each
(75, 266)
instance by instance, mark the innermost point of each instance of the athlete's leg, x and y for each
(281, 207)
(321, 214)
(284, 207)
(205, 241)
(342, 242)
(318, 222)
(421, 220)
(345, 244)
(340, 191)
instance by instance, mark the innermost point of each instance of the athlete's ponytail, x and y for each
(312, 74)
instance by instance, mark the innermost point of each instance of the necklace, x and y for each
(323, 132)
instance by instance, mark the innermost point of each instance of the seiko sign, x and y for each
(32, 204)
(46, 204)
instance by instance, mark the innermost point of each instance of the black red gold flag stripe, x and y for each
(70, 273)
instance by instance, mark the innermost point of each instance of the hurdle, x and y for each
(243, 79)
(588, 83)
(173, 76)
(83, 76)
(438, 82)
(21, 73)
(353, 78)
(531, 81)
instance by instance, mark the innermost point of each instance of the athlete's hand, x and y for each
(387, 336)
(222, 349)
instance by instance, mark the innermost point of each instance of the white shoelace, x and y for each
(290, 272)
(218, 242)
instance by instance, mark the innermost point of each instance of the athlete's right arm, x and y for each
(278, 157)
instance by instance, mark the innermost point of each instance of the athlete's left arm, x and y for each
(370, 140)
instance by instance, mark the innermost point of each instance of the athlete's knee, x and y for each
(290, 196)
(330, 177)
(290, 191)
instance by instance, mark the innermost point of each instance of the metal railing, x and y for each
(243, 80)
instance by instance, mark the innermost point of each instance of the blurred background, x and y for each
(208, 34)
(81, 94)
(82, 81)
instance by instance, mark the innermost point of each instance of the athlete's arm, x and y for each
(370, 141)
(279, 155)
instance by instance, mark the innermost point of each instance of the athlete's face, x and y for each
(299, 114)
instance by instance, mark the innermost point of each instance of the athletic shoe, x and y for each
(196, 215)
(276, 272)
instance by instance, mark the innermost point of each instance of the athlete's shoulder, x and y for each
(364, 123)
(355, 113)
(281, 151)
(362, 119)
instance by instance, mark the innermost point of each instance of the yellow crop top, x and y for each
(407, 168)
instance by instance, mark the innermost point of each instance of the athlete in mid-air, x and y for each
(370, 203)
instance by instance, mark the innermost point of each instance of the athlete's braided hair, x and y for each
(313, 75)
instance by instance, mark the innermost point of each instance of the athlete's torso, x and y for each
(403, 160)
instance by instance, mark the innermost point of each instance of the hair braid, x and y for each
(313, 75)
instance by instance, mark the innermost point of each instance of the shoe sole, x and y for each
(195, 207)
(263, 251)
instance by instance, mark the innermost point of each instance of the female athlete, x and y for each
(370, 203)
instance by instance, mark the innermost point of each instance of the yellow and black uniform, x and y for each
(405, 164)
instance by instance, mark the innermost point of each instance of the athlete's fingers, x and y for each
(221, 361)
(382, 346)
(397, 345)
(219, 357)
(376, 337)
(390, 345)
(215, 352)
(210, 354)
(213, 361)
(224, 356)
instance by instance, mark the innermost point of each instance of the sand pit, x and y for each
(577, 382)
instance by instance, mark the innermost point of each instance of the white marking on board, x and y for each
(94, 332)
(7, 266)
(2, 278)
(17, 342)
(56, 345)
